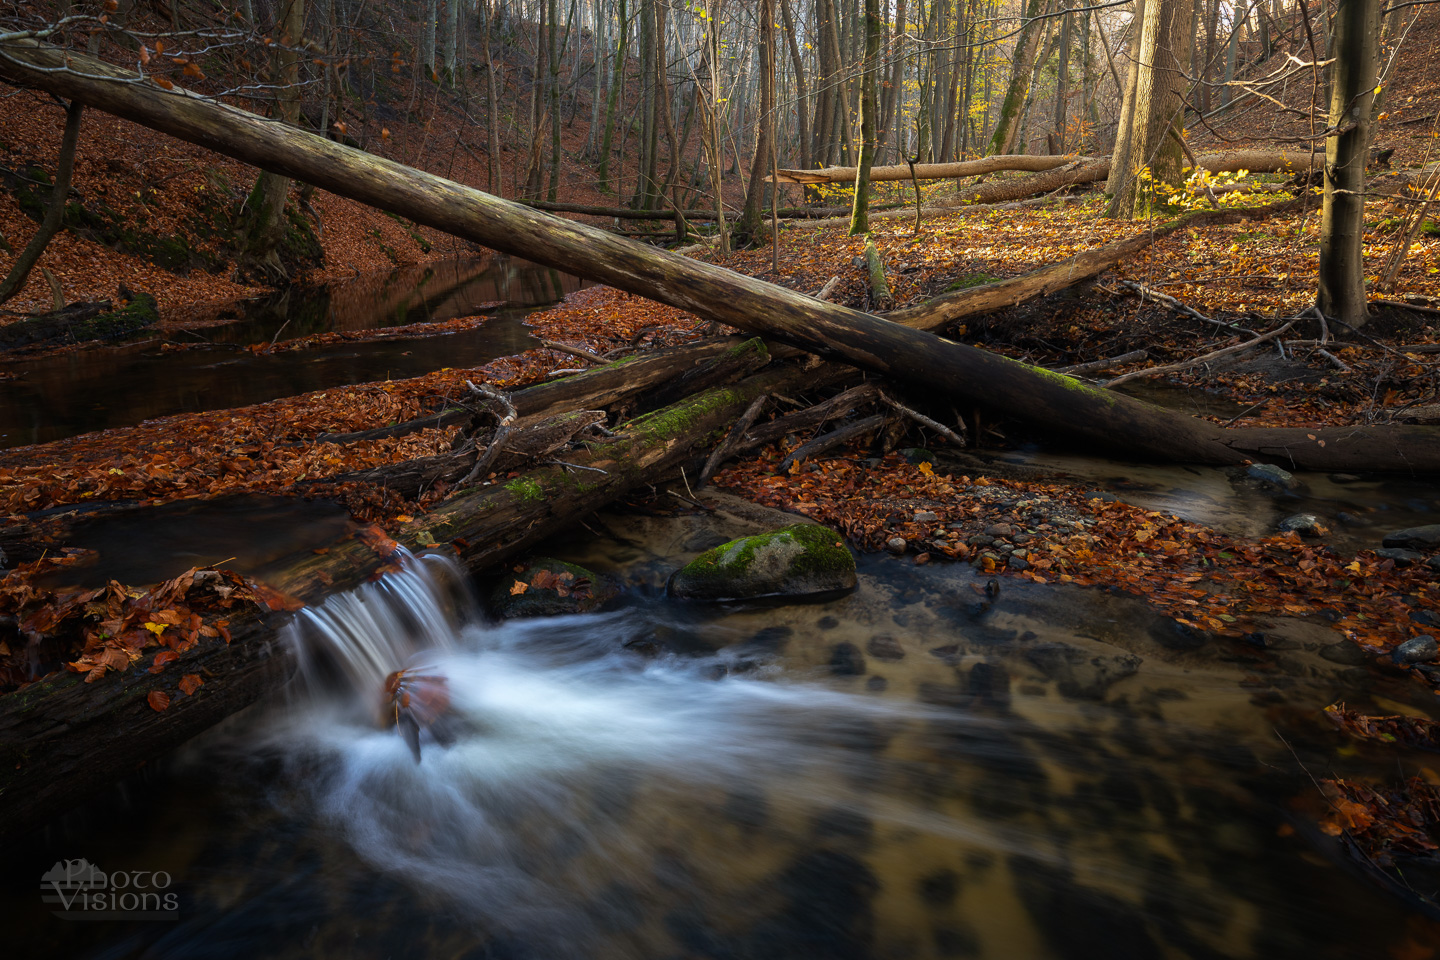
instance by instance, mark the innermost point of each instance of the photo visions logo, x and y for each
(82, 891)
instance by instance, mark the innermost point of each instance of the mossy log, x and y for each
(61, 737)
(1062, 404)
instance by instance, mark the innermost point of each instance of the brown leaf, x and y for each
(190, 683)
(158, 700)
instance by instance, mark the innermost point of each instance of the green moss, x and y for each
(816, 558)
(1071, 383)
(972, 280)
(138, 313)
(674, 420)
(525, 489)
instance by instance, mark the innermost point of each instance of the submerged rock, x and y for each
(1307, 525)
(545, 587)
(1401, 556)
(1272, 476)
(796, 561)
(1416, 538)
(1079, 673)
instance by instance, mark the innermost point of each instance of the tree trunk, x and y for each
(1088, 415)
(860, 215)
(54, 214)
(802, 102)
(1122, 156)
(1159, 106)
(1342, 219)
(749, 227)
(1062, 83)
(1007, 127)
(612, 100)
(263, 227)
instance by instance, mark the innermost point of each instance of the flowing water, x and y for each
(924, 768)
(99, 386)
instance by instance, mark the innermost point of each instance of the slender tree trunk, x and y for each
(54, 214)
(1342, 220)
(452, 37)
(894, 94)
(749, 226)
(612, 101)
(552, 96)
(427, 35)
(1062, 83)
(1007, 125)
(1122, 162)
(802, 102)
(1159, 101)
(860, 215)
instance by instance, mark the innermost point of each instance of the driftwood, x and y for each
(1085, 414)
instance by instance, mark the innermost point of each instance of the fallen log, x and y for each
(1055, 402)
(1080, 170)
(62, 737)
(925, 171)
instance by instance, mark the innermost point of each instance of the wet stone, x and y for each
(1078, 673)
(925, 516)
(1401, 556)
(1307, 525)
(1417, 538)
(799, 560)
(1017, 563)
(895, 545)
(939, 889)
(877, 684)
(885, 648)
(1272, 476)
(999, 530)
(846, 660)
(1421, 649)
(1346, 653)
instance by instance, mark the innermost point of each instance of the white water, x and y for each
(579, 766)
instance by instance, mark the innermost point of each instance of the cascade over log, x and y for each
(62, 737)
(1054, 401)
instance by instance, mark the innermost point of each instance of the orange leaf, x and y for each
(519, 588)
(190, 683)
(162, 658)
(158, 700)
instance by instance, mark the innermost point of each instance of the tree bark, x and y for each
(749, 226)
(54, 214)
(860, 213)
(1007, 127)
(1159, 104)
(1342, 218)
(1088, 415)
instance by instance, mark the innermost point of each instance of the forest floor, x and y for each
(1248, 275)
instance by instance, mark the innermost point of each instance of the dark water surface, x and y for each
(111, 386)
(915, 770)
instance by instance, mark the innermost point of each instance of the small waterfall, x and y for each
(577, 775)
(366, 634)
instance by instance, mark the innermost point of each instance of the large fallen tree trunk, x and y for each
(1059, 403)
(1080, 169)
(927, 171)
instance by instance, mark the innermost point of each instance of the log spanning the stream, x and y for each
(62, 737)
(1056, 402)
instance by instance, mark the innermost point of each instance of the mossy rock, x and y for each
(544, 587)
(796, 561)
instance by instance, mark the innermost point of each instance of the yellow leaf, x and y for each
(926, 469)
(156, 628)
(519, 587)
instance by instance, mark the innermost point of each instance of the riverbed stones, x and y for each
(1402, 556)
(1269, 475)
(885, 648)
(896, 545)
(796, 561)
(545, 587)
(1416, 538)
(1079, 673)
(1421, 649)
(1307, 525)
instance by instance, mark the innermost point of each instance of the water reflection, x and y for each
(1053, 774)
(103, 387)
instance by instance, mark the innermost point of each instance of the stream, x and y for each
(919, 769)
(935, 765)
(99, 387)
